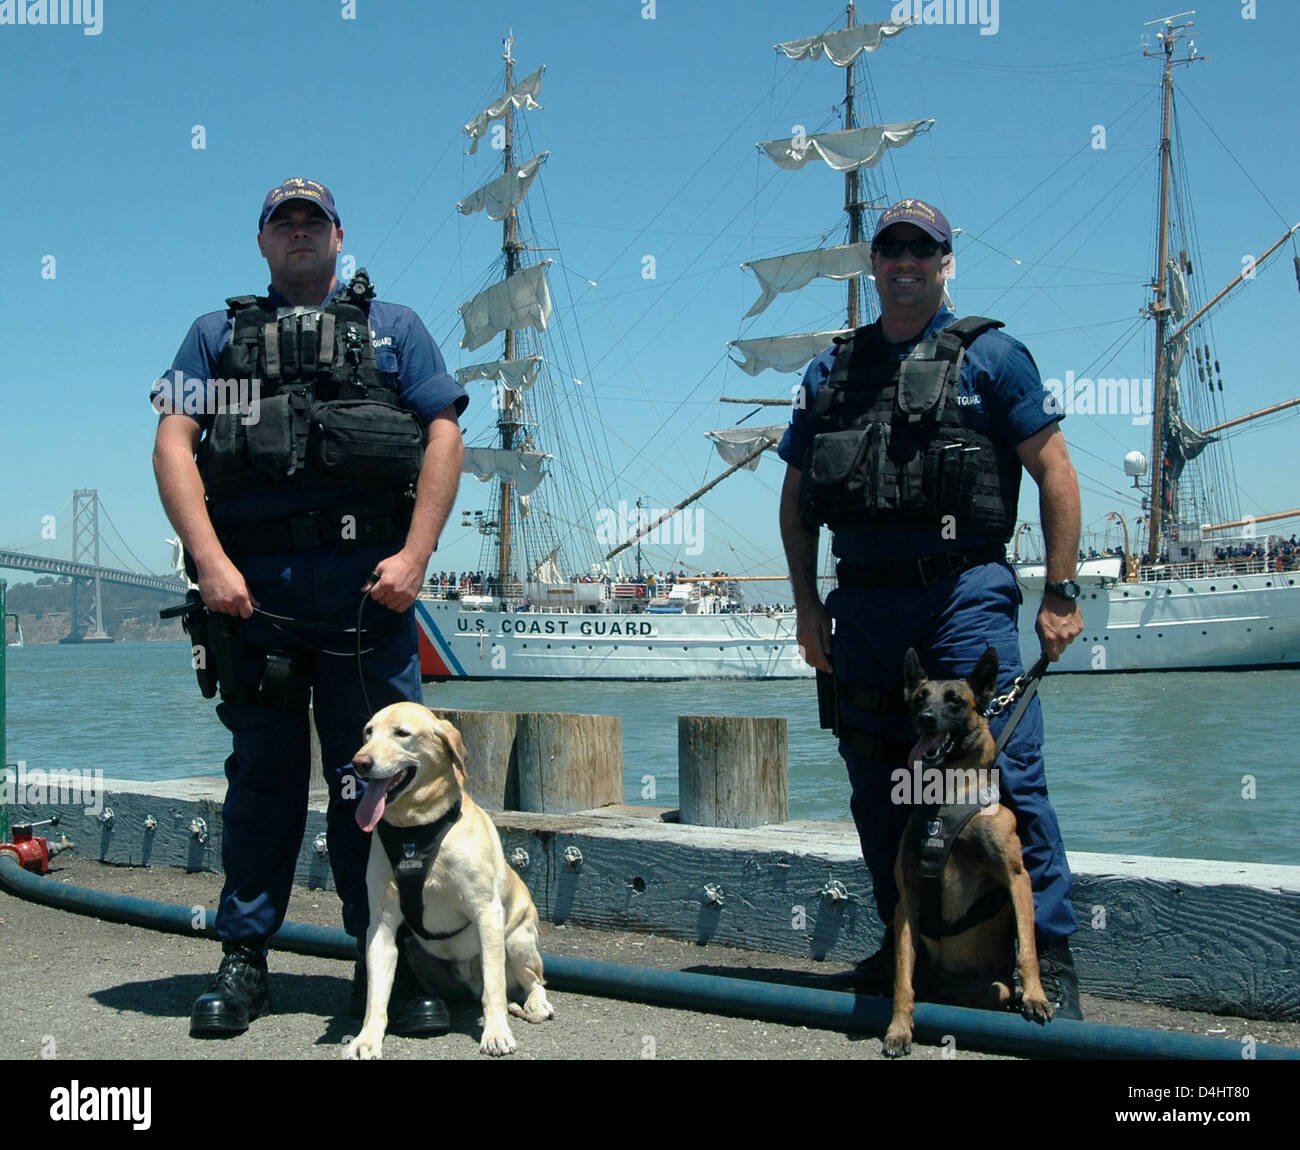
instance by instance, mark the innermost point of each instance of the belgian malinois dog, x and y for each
(972, 965)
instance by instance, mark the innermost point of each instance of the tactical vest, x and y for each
(324, 417)
(890, 449)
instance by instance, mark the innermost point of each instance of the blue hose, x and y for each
(999, 1033)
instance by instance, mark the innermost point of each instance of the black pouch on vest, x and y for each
(361, 439)
(847, 466)
(277, 442)
(921, 387)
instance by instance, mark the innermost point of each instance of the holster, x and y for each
(828, 708)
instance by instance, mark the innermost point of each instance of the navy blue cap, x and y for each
(926, 217)
(296, 188)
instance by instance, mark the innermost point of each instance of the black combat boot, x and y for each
(238, 994)
(1056, 969)
(410, 1010)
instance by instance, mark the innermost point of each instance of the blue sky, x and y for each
(651, 125)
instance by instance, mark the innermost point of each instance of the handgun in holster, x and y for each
(828, 702)
(217, 645)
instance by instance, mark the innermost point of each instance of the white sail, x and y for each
(844, 150)
(547, 571)
(525, 469)
(792, 272)
(842, 46)
(734, 443)
(503, 193)
(513, 374)
(783, 352)
(522, 95)
(523, 300)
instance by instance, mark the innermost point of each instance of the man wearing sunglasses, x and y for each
(908, 441)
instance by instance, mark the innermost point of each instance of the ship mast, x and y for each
(1159, 308)
(510, 401)
(852, 203)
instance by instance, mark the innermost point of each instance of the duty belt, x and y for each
(920, 572)
(375, 519)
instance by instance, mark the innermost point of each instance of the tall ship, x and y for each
(1198, 586)
(561, 592)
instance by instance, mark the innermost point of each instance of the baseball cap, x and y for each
(926, 217)
(296, 188)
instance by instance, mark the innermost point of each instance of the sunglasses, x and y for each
(892, 249)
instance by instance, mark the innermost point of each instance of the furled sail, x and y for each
(522, 300)
(844, 45)
(522, 95)
(792, 272)
(503, 193)
(783, 352)
(734, 443)
(847, 149)
(514, 374)
(525, 469)
(1177, 292)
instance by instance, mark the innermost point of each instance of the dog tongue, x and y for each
(371, 807)
(924, 746)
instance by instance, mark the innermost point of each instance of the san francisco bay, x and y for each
(1187, 765)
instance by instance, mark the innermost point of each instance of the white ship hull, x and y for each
(460, 642)
(1204, 617)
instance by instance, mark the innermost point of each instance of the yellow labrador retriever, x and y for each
(474, 912)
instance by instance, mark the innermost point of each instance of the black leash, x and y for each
(1024, 688)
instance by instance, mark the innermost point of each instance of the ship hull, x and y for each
(1212, 622)
(464, 643)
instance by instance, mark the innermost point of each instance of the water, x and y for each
(1137, 764)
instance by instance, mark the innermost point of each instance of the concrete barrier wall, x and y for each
(1212, 936)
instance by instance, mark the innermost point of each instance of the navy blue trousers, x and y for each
(267, 773)
(950, 623)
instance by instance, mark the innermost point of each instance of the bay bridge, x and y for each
(84, 565)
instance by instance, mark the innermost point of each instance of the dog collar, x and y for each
(411, 851)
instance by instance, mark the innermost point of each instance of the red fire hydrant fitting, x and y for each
(33, 851)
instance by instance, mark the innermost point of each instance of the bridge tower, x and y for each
(85, 549)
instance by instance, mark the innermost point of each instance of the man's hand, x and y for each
(813, 634)
(223, 588)
(1058, 625)
(400, 577)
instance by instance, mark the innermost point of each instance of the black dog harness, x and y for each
(940, 827)
(411, 851)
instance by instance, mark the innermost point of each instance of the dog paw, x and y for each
(363, 1047)
(1036, 1008)
(497, 1040)
(536, 1008)
(898, 1042)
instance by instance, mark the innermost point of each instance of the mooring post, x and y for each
(569, 763)
(491, 765)
(732, 770)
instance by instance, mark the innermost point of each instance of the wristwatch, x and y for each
(1066, 589)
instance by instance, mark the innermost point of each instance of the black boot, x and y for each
(873, 975)
(1056, 969)
(410, 1010)
(238, 994)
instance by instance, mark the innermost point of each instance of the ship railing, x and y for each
(1165, 572)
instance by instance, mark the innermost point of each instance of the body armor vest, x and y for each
(890, 449)
(323, 416)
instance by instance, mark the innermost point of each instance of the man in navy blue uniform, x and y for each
(308, 455)
(920, 519)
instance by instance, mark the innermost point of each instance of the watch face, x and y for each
(1067, 589)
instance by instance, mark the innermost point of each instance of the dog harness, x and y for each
(411, 851)
(939, 828)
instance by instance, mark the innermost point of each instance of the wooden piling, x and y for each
(569, 762)
(732, 770)
(491, 765)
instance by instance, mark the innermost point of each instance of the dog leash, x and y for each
(1024, 688)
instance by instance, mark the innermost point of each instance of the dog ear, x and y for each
(913, 673)
(984, 679)
(452, 741)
